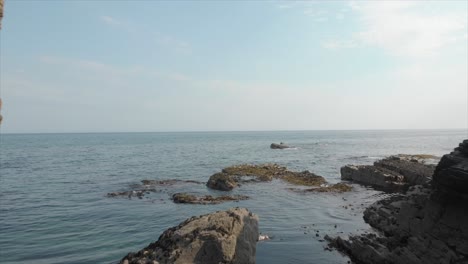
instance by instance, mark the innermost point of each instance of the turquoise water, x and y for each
(54, 209)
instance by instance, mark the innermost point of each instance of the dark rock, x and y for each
(451, 174)
(149, 186)
(393, 174)
(279, 146)
(206, 199)
(425, 225)
(222, 237)
(332, 188)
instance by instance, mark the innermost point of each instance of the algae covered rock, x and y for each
(221, 237)
(232, 176)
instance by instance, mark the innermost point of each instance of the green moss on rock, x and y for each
(231, 177)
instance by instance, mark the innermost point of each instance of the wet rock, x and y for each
(231, 177)
(332, 188)
(169, 182)
(393, 174)
(279, 146)
(221, 237)
(130, 194)
(428, 224)
(149, 186)
(206, 199)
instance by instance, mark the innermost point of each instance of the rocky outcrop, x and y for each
(395, 173)
(428, 224)
(279, 146)
(451, 174)
(221, 237)
(205, 199)
(233, 176)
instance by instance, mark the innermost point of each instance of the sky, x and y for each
(143, 66)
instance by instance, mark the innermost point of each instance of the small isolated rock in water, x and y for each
(279, 146)
(206, 199)
(222, 237)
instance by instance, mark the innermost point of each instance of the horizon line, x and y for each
(232, 131)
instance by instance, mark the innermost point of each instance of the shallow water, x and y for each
(54, 209)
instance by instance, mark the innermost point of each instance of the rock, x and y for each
(221, 237)
(392, 174)
(428, 224)
(149, 186)
(231, 177)
(451, 174)
(279, 146)
(222, 181)
(2, 3)
(206, 199)
(169, 182)
(380, 178)
(332, 188)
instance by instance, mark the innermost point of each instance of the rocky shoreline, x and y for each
(427, 224)
(422, 220)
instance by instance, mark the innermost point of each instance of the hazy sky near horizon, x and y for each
(117, 66)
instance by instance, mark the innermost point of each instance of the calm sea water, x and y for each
(54, 209)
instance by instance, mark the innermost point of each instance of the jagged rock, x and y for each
(206, 199)
(279, 146)
(451, 174)
(231, 177)
(221, 237)
(393, 174)
(425, 225)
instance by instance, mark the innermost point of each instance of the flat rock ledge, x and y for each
(231, 177)
(428, 224)
(226, 237)
(392, 174)
(187, 198)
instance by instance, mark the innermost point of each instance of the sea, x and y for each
(53, 189)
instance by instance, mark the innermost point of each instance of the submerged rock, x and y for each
(428, 224)
(221, 237)
(393, 174)
(231, 177)
(332, 188)
(147, 187)
(206, 199)
(169, 182)
(130, 194)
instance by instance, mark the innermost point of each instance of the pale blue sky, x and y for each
(115, 66)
